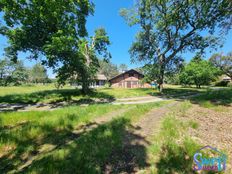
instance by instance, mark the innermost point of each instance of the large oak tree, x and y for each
(57, 31)
(171, 27)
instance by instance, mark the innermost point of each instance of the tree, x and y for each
(151, 71)
(12, 73)
(38, 74)
(84, 64)
(224, 63)
(197, 58)
(108, 69)
(57, 30)
(198, 73)
(171, 27)
(123, 67)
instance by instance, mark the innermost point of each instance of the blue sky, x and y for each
(121, 35)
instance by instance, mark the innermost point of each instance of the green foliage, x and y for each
(12, 73)
(108, 69)
(222, 83)
(57, 31)
(224, 63)
(84, 64)
(168, 28)
(198, 73)
(38, 74)
(123, 67)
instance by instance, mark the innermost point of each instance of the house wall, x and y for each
(125, 81)
(98, 83)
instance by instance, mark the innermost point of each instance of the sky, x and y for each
(121, 35)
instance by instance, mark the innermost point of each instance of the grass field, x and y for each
(172, 149)
(45, 136)
(71, 139)
(49, 94)
(184, 131)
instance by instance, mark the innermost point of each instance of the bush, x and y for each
(222, 83)
(230, 85)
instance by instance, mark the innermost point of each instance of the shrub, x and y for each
(230, 85)
(222, 83)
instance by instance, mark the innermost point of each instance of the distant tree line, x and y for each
(15, 73)
(110, 70)
(197, 72)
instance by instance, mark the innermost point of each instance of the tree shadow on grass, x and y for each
(87, 151)
(177, 159)
(52, 99)
(29, 139)
(55, 96)
(174, 160)
(197, 96)
(214, 98)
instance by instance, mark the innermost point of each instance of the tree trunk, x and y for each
(161, 76)
(160, 87)
(85, 88)
(85, 85)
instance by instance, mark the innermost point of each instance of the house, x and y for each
(129, 79)
(226, 78)
(99, 81)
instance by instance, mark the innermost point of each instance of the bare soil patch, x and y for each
(214, 128)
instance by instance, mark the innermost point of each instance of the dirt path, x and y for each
(132, 156)
(139, 100)
(147, 125)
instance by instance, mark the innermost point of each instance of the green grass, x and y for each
(23, 133)
(45, 136)
(49, 94)
(125, 93)
(25, 89)
(172, 149)
(90, 152)
(214, 98)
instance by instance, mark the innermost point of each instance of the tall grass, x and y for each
(172, 149)
(53, 139)
(215, 98)
(23, 134)
(90, 152)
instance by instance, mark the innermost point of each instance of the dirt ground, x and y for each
(214, 128)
